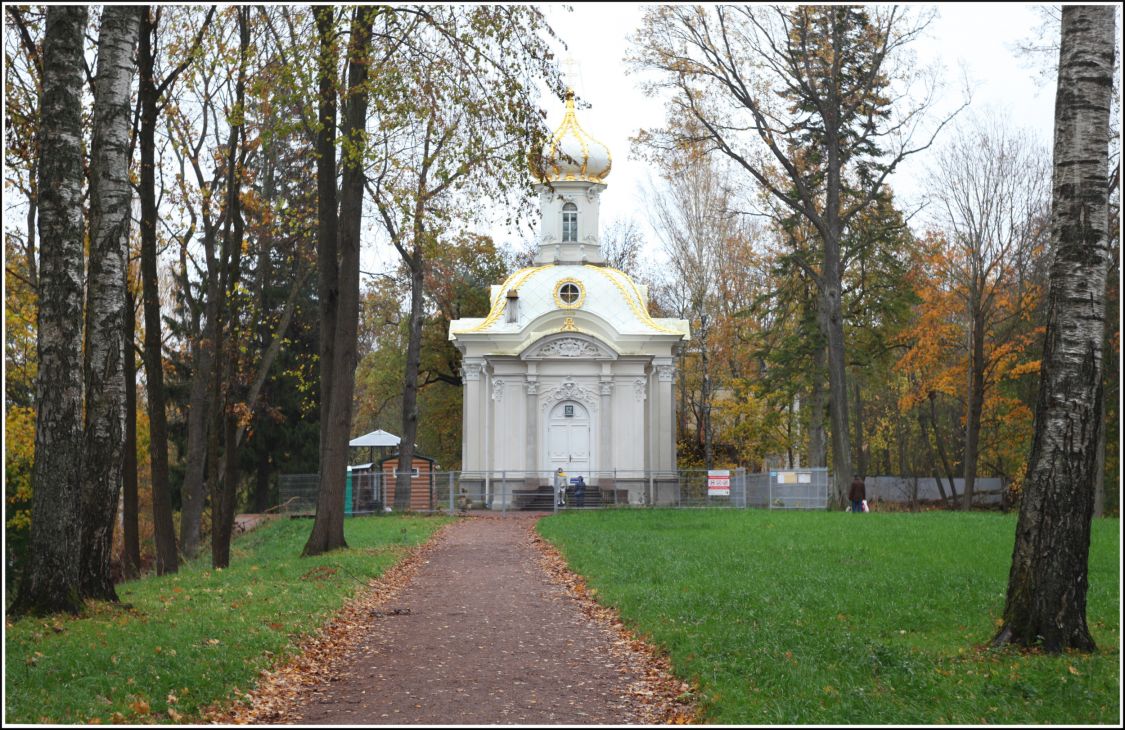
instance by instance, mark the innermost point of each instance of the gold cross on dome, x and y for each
(569, 72)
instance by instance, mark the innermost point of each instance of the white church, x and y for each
(569, 369)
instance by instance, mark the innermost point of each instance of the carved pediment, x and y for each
(568, 346)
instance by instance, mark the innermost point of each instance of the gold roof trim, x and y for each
(632, 298)
(500, 301)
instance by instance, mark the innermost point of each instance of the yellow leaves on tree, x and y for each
(936, 356)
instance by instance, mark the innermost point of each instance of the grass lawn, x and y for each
(191, 638)
(834, 618)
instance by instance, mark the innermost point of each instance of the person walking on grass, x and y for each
(857, 494)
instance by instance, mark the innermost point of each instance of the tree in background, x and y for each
(1046, 598)
(990, 186)
(802, 95)
(153, 97)
(698, 226)
(338, 261)
(457, 278)
(23, 86)
(455, 133)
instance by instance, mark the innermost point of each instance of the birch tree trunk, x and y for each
(51, 581)
(110, 196)
(1046, 600)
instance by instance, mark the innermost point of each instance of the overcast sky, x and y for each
(970, 42)
(976, 41)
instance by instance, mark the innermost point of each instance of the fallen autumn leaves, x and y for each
(657, 696)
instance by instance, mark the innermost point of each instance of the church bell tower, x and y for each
(570, 180)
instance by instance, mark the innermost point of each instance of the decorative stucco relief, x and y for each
(569, 347)
(640, 389)
(568, 390)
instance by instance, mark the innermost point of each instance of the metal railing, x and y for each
(505, 490)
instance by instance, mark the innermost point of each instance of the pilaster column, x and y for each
(605, 420)
(472, 417)
(533, 426)
(665, 370)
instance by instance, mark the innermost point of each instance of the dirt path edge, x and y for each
(664, 699)
(316, 655)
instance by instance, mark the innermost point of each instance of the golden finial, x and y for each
(570, 74)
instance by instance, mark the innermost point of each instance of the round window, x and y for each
(569, 293)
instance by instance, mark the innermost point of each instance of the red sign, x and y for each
(718, 483)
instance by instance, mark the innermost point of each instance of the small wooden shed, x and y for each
(421, 482)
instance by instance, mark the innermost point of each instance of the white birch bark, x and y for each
(110, 195)
(50, 582)
(1046, 600)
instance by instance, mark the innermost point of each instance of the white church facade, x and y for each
(568, 369)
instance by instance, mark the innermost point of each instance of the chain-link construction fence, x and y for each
(458, 491)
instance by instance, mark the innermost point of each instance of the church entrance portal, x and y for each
(568, 439)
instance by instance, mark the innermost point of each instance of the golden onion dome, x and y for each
(572, 154)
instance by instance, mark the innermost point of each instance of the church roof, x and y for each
(572, 154)
(604, 293)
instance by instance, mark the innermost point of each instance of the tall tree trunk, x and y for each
(328, 527)
(167, 561)
(222, 509)
(410, 379)
(818, 442)
(110, 196)
(941, 451)
(933, 466)
(833, 319)
(975, 406)
(1046, 600)
(860, 456)
(200, 404)
(705, 396)
(51, 580)
(327, 259)
(131, 544)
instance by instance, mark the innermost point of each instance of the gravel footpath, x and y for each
(488, 629)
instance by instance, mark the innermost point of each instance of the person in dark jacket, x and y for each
(580, 492)
(857, 493)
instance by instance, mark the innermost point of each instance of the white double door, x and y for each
(568, 439)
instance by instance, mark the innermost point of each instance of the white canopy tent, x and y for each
(375, 438)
